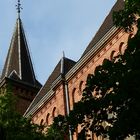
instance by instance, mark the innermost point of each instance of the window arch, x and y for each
(54, 112)
(41, 122)
(112, 55)
(47, 118)
(81, 86)
(73, 95)
(121, 48)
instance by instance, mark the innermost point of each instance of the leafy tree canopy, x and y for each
(110, 104)
(127, 17)
(12, 125)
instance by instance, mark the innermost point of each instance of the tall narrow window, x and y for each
(73, 95)
(121, 48)
(81, 86)
(47, 118)
(54, 112)
(41, 122)
(112, 55)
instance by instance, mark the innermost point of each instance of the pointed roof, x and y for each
(65, 64)
(106, 26)
(18, 65)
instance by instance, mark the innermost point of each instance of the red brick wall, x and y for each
(77, 83)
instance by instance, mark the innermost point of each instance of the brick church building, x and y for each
(65, 84)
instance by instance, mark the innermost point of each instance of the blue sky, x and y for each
(51, 27)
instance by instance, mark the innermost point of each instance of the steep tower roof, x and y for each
(18, 65)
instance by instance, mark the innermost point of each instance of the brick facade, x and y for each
(65, 85)
(76, 82)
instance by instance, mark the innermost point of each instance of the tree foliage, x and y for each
(110, 104)
(126, 18)
(12, 125)
(58, 130)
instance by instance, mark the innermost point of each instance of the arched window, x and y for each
(47, 118)
(41, 122)
(54, 112)
(112, 55)
(73, 95)
(81, 86)
(121, 48)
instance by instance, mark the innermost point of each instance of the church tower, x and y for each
(18, 69)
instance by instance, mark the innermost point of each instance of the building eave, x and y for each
(73, 70)
(93, 51)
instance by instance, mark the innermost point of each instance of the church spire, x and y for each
(18, 65)
(18, 69)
